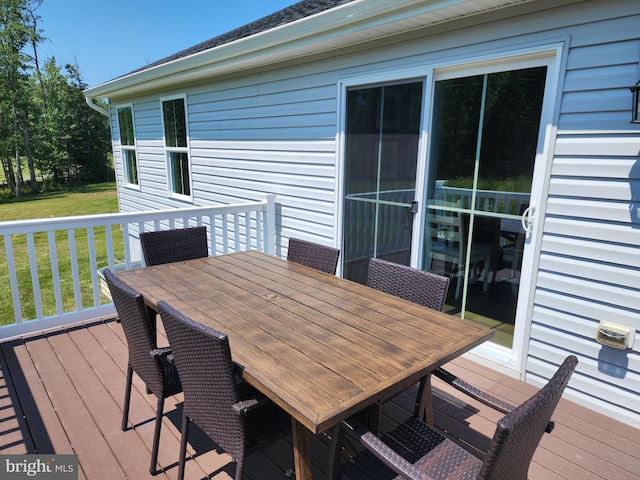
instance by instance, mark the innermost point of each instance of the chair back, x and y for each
(168, 246)
(203, 359)
(313, 255)
(134, 317)
(418, 286)
(518, 433)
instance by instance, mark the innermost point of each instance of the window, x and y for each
(128, 145)
(175, 141)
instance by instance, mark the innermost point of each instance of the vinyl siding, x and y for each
(589, 263)
(274, 131)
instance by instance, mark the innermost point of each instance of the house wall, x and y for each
(276, 131)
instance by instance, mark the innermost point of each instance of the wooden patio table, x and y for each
(320, 346)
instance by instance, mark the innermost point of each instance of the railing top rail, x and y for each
(48, 224)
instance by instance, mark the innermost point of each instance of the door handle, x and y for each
(528, 216)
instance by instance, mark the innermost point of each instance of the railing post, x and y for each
(270, 229)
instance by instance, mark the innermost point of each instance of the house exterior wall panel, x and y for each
(582, 166)
(579, 308)
(605, 211)
(588, 261)
(610, 233)
(590, 390)
(621, 254)
(577, 285)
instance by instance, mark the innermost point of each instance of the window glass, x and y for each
(130, 166)
(179, 164)
(175, 134)
(175, 125)
(128, 145)
(125, 122)
(483, 151)
(383, 130)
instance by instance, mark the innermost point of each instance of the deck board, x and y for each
(62, 392)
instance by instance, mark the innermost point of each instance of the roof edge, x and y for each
(304, 36)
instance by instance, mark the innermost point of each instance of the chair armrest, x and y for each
(245, 406)
(250, 399)
(382, 451)
(473, 392)
(163, 352)
(478, 394)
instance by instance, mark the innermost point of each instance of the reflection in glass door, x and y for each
(484, 138)
(381, 154)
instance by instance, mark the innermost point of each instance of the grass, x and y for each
(87, 200)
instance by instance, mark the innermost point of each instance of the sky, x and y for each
(109, 38)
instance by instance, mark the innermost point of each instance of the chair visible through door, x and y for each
(447, 245)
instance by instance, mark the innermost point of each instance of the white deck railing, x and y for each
(36, 254)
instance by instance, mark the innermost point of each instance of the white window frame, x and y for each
(169, 150)
(128, 148)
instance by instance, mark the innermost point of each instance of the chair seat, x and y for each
(421, 445)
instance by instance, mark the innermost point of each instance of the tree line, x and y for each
(45, 122)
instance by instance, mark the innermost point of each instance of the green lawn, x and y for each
(88, 200)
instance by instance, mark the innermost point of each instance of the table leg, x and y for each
(301, 452)
(424, 406)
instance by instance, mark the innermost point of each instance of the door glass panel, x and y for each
(382, 133)
(484, 142)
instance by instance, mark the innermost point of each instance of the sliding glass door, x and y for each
(442, 173)
(381, 152)
(485, 133)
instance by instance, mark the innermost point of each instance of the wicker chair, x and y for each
(232, 413)
(415, 451)
(418, 286)
(313, 255)
(168, 246)
(153, 365)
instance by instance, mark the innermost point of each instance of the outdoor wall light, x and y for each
(635, 106)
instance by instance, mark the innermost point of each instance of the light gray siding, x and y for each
(275, 131)
(589, 263)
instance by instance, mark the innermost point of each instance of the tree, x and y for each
(75, 139)
(43, 114)
(15, 33)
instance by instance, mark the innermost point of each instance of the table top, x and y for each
(320, 346)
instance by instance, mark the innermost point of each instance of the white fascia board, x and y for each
(348, 24)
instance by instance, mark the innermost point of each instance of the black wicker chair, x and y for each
(415, 451)
(232, 413)
(418, 286)
(313, 255)
(168, 246)
(153, 365)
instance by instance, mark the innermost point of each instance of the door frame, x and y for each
(553, 55)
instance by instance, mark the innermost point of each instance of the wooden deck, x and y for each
(61, 392)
